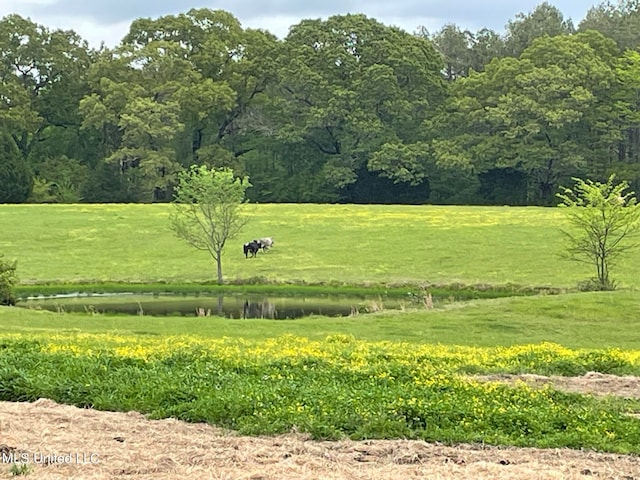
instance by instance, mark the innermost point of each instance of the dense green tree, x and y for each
(15, 177)
(179, 90)
(487, 45)
(59, 180)
(41, 77)
(619, 21)
(288, 172)
(344, 109)
(547, 114)
(137, 111)
(544, 20)
(463, 50)
(351, 87)
(454, 45)
(217, 131)
(625, 159)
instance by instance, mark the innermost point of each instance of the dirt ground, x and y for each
(63, 442)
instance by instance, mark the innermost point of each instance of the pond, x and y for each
(230, 306)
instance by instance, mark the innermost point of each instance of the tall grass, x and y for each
(334, 244)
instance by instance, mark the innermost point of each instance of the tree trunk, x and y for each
(219, 265)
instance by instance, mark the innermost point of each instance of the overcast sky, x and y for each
(109, 20)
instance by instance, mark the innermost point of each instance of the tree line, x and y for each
(345, 109)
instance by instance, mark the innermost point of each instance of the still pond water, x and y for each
(230, 306)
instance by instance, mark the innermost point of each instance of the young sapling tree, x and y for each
(208, 209)
(605, 218)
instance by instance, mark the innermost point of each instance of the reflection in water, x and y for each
(258, 310)
(229, 306)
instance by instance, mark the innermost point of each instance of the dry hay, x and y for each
(129, 446)
(594, 383)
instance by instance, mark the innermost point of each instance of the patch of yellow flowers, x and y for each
(341, 351)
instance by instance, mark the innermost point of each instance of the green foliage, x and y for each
(532, 117)
(334, 388)
(8, 280)
(165, 99)
(352, 88)
(15, 176)
(605, 218)
(59, 180)
(544, 20)
(208, 209)
(20, 469)
(454, 46)
(617, 20)
(36, 98)
(342, 110)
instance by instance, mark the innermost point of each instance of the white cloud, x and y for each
(98, 21)
(277, 24)
(92, 32)
(23, 7)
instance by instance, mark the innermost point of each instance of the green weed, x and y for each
(331, 389)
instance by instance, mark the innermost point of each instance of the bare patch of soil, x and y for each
(593, 383)
(64, 442)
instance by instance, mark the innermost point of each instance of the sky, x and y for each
(109, 20)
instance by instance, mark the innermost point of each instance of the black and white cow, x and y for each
(251, 248)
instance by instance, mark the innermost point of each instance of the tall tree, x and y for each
(547, 115)
(619, 21)
(544, 20)
(139, 116)
(627, 101)
(487, 45)
(463, 50)
(454, 45)
(41, 77)
(351, 87)
(179, 90)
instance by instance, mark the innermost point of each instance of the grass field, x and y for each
(385, 375)
(346, 244)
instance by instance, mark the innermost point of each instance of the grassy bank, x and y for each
(580, 320)
(416, 292)
(315, 244)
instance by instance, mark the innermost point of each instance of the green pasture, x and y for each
(392, 374)
(341, 244)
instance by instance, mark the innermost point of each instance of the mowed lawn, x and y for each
(351, 244)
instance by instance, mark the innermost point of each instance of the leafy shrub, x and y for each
(8, 280)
